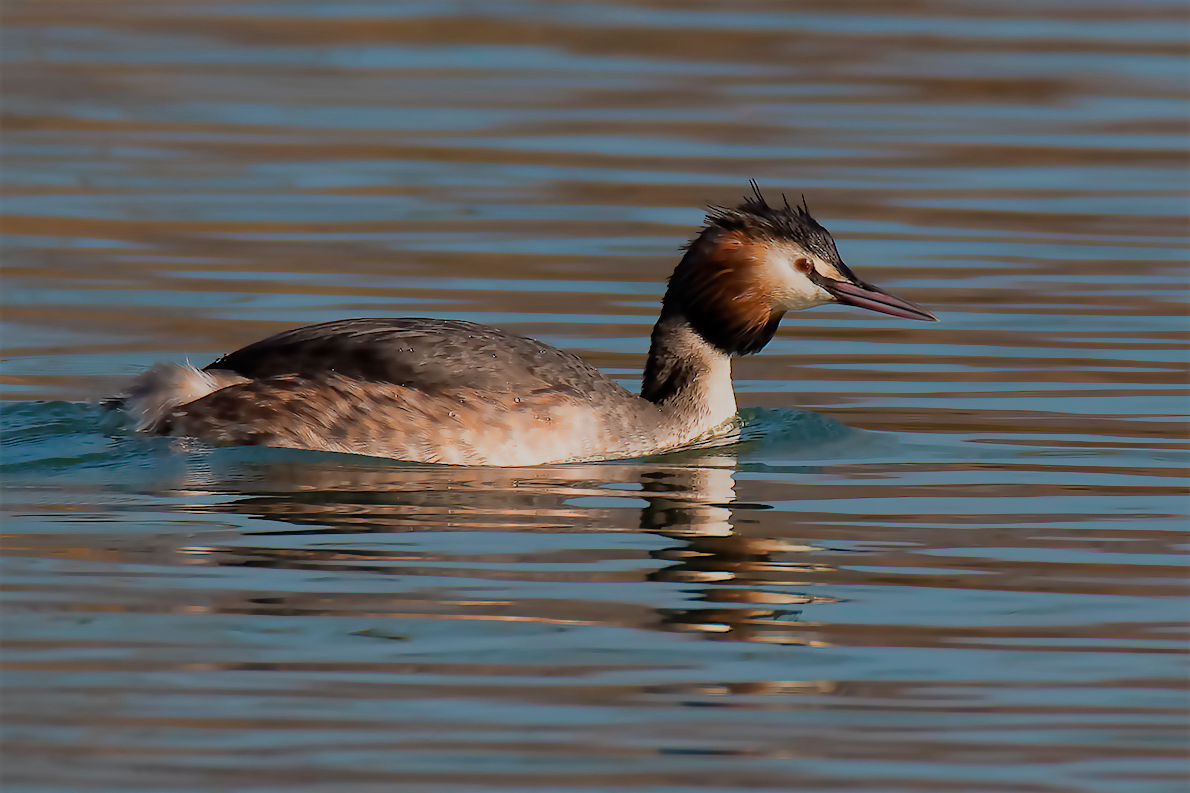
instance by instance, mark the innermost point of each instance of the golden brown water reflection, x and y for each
(945, 558)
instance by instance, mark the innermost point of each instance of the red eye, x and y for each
(804, 266)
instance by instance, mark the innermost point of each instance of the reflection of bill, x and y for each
(513, 530)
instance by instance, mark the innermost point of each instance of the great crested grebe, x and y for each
(449, 391)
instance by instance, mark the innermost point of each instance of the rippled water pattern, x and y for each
(945, 557)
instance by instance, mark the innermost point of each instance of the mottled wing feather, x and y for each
(458, 425)
(427, 355)
(417, 389)
(329, 412)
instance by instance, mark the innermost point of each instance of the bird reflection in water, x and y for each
(345, 515)
(697, 506)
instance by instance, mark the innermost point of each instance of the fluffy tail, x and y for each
(154, 395)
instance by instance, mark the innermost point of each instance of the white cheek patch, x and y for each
(794, 289)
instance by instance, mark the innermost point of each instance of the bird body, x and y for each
(450, 391)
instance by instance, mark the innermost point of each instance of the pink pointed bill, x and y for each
(863, 295)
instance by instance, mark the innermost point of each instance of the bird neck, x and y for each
(723, 288)
(687, 376)
(715, 306)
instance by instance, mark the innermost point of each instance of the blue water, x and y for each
(940, 557)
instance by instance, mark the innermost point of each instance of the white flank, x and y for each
(153, 395)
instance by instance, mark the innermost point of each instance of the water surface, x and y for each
(944, 557)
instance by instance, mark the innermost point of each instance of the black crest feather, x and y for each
(755, 218)
(713, 289)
